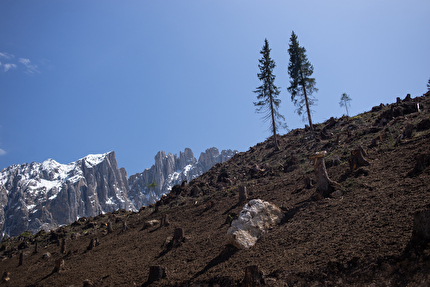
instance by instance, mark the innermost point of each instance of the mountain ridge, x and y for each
(49, 194)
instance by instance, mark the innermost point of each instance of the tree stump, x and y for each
(156, 273)
(21, 258)
(59, 265)
(93, 243)
(253, 277)
(124, 226)
(324, 184)
(357, 159)
(165, 220)
(109, 227)
(421, 229)
(63, 246)
(35, 248)
(178, 237)
(243, 194)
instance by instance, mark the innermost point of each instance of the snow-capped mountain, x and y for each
(49, 194)
(170, 170)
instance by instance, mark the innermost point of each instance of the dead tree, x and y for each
(156, 273)
(357, 159)
(253, 277)
(243, 194)
(324, 184)
(124, 226)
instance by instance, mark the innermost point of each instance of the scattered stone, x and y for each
(150, 223)
(46, 255)
(336, 194)
(6, 276)
(256, 218)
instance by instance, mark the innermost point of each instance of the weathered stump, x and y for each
(93, 243)
(35, 248)
(324, 184)
(124, 226)
(178, 237)
(63, 246)
(243, 194)
(156, 273)
(253, 277)
(165, 220)
(21, 258)
(109, 227)
(421, 229)
(357, 159)
(59, 265)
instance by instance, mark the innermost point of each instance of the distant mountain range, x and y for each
(49, 194)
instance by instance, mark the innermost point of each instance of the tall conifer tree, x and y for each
(267, 93)
(301, 84)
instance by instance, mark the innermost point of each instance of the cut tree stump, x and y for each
(59, 265)
(21, 258)
(324, 184)
(165, 220)
(243, 194)
(178, 237)
(156, 273)
(109, 227)
(357, 159)
(253, 277)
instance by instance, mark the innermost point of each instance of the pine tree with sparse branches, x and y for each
(301, 84)
(428, 85)
(267, 93)
(344, 102)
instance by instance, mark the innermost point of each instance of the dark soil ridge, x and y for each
(359, 236)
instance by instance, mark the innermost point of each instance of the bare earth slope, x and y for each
(359, 237)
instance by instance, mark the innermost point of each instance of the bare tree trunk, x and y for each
(273, 124)
(59, 265)
(324, 184)
(307, 104)
(21, 258)
(63, 246)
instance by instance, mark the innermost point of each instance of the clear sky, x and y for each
(136, 77)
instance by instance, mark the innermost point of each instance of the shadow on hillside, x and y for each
(290, 213)
(226, 253)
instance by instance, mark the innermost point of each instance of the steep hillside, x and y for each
(359, 235)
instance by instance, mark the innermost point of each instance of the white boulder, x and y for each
(256, 218)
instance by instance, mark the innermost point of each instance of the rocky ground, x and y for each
(359, 235)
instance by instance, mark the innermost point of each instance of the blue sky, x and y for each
(84, 77)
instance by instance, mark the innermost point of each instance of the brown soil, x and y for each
(358, 236)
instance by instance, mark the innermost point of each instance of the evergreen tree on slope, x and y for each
(301, 84)
(267, 93)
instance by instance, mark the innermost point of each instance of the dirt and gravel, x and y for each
(360, 235)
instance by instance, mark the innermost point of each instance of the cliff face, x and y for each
(170, 170)
(49, 194)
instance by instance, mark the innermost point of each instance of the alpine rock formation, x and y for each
(49, 194)
(170, 170)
